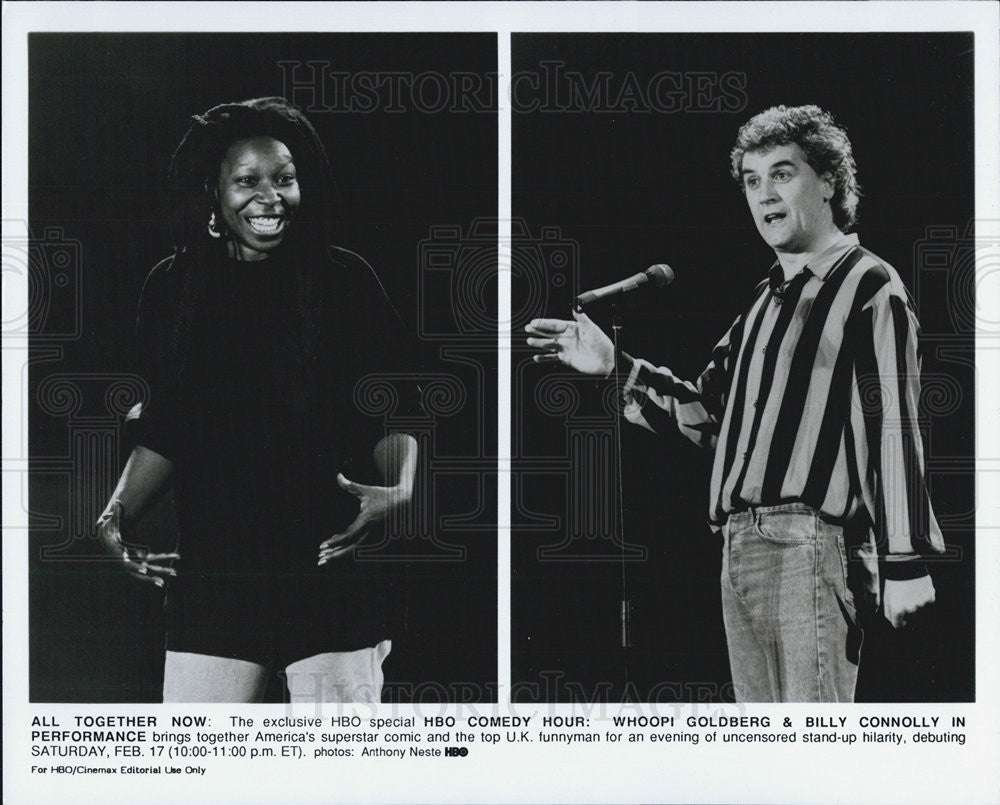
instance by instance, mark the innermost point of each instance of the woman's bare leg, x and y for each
(203, 678)
(339, 676)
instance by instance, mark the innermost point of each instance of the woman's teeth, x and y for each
(264, 224)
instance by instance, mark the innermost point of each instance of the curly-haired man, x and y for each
(810, 404)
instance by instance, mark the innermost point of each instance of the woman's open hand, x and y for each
(137, 562)
(377, 503)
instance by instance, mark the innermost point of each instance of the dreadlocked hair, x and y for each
(193, 177)
(194, 170)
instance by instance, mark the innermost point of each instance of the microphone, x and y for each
(661, 274)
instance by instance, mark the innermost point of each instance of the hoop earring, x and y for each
(213, 230)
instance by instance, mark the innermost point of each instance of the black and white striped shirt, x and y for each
(811, 396)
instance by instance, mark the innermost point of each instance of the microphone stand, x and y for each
(625, 612)
(625, 605)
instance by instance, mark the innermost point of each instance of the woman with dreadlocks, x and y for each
(252, 337)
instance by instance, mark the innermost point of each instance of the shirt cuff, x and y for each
(628, 367)
(904, 568)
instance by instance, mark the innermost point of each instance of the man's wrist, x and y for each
(904, 569)
(401, 492)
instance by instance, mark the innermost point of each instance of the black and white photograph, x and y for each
(261, 457)
(487, 402)
(807, 200)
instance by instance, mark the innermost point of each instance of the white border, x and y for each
(504, 401)
(925, 775)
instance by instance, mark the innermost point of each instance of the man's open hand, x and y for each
(579, 344)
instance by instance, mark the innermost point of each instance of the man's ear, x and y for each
(830, 185)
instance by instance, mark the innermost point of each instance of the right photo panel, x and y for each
(743, 373)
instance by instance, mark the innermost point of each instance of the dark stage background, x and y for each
(623, 180)
(106, 112)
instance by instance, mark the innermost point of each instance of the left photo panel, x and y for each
(262, 387)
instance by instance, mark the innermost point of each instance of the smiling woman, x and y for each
(250, 340)
(257, 195)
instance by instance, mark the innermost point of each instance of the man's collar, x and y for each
(821, 265)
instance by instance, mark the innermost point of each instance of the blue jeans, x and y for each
(790, 618)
